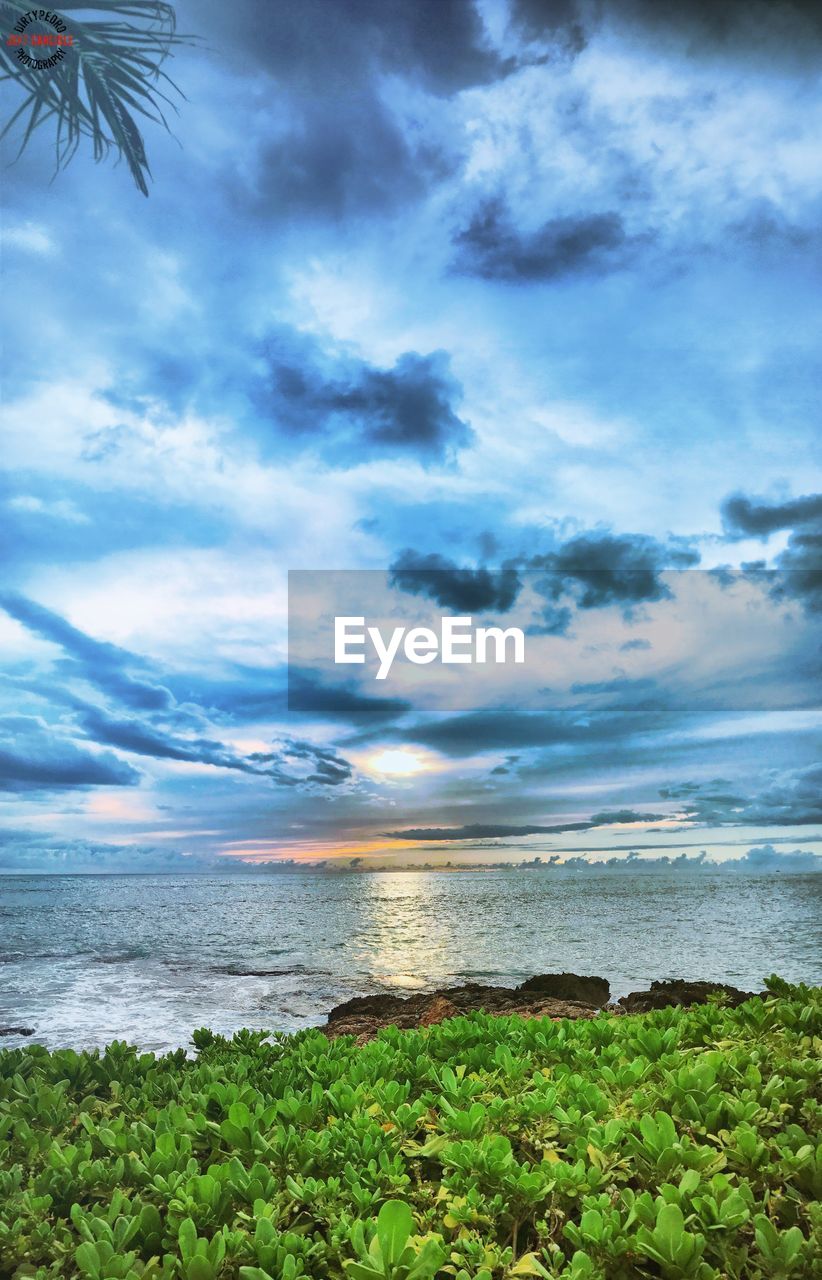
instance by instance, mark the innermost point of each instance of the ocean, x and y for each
(85, 960)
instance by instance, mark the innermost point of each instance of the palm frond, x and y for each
(111, 75)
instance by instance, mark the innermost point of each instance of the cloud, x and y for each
(618, 685)
(326, 767)
(38, 510)
(798, 569)
(440, 43)
(334, 145)
(493, 248)
(308, 693)
(498, 728)
(765, 858)
(594, 570)
(787, 798)
(793, 798)
(290, 763)
(601, 569)
(24, 852)
(353, 409)
(744, 517)
(35, 758)
(102, 664)
(495, 830)
(760, 860)
(337, 163)
(464, 590)
(737, 29)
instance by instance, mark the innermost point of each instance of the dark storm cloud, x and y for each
(799, 575)
(602, 569)
(338, 159)
(353, 410)
(744, 517)
(561, 21)
(131, 734)
(339, 149)
(592, 571)
(735, 27)
(774, 29)
(465, 590)
(33, 757)
(316, 46)
(102, 664)
(483, 831)
(493, 248)
(798, 569)
(492, 830)
(313, 764)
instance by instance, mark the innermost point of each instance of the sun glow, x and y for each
(396, 763)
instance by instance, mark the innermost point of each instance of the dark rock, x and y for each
(569, 986)
(678, 992)
(364, 1016)
(16, 1031)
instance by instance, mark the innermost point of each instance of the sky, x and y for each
(506, 308)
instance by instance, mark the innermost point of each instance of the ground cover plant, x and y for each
(682, 1143)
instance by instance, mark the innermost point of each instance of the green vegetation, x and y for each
(676, 1144)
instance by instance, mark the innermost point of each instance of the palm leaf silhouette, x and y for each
(110, 77)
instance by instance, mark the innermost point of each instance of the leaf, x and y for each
(199, 1268)
(395, 1222)
(427, 1262)
(187, 1239)
(528, 1265)
(670, 1226)
(359, 1271)
(112, 70)
(88, 1259)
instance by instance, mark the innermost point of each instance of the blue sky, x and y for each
(445, 286)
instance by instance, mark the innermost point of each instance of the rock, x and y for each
(438, 1010)
(569, 986)
(678, 992)
(548, 995)
(363, 1016)
(16, 1031)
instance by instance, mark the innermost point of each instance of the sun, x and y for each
(396, 763)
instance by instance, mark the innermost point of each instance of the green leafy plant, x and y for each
(391, 1255)
(680, 1145)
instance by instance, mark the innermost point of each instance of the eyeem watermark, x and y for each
(458, 641)
(48, 47)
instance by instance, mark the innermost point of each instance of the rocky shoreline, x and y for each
(547, 995)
